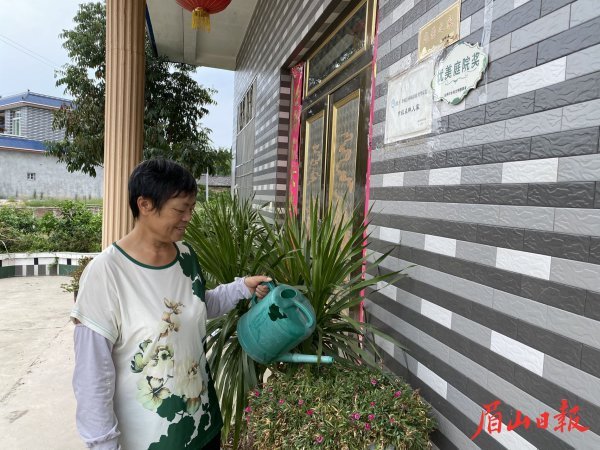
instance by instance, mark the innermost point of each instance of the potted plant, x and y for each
(321, 256)
(73, 284)
(336, 407)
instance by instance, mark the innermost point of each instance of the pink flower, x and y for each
(256, 393)
(355, 416)
(281, 401)
(397, 394)
(248, 409)
(301, 402)
(371, 417)
(373, 381)
(319, 439)
(372, 404)
(310, 412)
(367, 426)
(270, 389)
(392, 420)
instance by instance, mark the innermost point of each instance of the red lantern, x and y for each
(202, 9)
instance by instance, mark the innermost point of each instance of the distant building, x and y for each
(25, 169)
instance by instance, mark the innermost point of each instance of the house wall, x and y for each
(277, 30)
(39, 124)
(499, 210)
(52, 180)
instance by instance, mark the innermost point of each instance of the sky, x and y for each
(31, 51)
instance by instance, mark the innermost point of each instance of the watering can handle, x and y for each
(271, 284)
(307, 313)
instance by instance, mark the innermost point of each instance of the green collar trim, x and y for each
(146, 266)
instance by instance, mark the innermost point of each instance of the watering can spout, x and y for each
(298, 358)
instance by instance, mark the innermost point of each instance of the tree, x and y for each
(173, 103)
(223, 160)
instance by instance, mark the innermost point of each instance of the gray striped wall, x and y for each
(498, 210)
(279, 35)
(39, 125)
(36, 123)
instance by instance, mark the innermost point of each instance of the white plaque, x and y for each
(459, 72)
(409, 104)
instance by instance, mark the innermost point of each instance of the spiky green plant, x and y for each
(322, 257)
(230, 241)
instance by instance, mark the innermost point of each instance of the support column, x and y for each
(124, 111)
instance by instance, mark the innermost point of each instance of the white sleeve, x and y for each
(224, 297)
(94, 387)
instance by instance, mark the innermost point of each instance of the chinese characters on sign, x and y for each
(440, 32)
(566, 420)
(458, 73)
(409, 104)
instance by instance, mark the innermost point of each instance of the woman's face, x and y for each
(171, 221)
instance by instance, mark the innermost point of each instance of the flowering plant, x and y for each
(336, 407)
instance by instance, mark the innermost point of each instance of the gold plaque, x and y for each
(440, 32)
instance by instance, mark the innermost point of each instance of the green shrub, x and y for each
(52, 202)
(336, 407)
(20, 231)
(77, 229)
(73, 284)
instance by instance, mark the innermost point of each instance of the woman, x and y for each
(141, 376)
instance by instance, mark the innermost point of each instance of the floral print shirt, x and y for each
(155, 317)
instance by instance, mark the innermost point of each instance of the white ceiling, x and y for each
(175, 38)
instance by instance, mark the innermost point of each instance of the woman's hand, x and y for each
(254, 285)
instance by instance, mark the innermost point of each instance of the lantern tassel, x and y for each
(200, 19)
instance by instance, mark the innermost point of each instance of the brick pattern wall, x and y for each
(499, 209)
(279, 32)
(39, 125)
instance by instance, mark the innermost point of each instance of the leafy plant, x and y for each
(20, 231)
(336, 407)
(76, 229)
(322, 257)
(73, 284)
(230, 241)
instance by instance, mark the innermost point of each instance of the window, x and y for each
(16, 124)
(244, 148)
(347, 42)
(2, 126)
(246, 108)
(31, 176)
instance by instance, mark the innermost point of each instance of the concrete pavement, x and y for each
(37, 406)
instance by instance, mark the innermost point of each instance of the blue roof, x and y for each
(33, 98)
(21, 143)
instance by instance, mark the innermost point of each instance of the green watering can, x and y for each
(282, 320)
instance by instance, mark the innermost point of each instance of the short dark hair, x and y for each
(159, 180)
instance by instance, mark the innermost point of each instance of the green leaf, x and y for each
(198, 289)
(178, 435)
(171, 406)
(188, 264)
